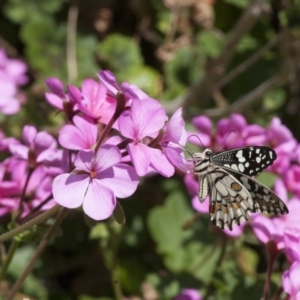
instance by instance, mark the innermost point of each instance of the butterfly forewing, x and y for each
(225, 177)
(249, 160)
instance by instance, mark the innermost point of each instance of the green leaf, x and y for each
(18, 10)
(209, 43)
(32, 285)
(184, 69)
(165, 223)
(146, 78)
(239, 3)
(266, 178)
(274, 99)
(247, 43)
(119, 214)
(120, 52)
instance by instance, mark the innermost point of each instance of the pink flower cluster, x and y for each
(113, 135)
(12, 75)
(118, 133)
(283, 230)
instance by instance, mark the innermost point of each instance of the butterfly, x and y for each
(226, 177)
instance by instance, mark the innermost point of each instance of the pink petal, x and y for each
(11, 107)
(55, 86)
(74, 93)
(124, 181)
(19, 151)
(202, 207)
(174, 127)
(44, 141)
(263, 228)
(109, 80)
(148, 117)
(85, 160)
(107, 156)
(54, 100)
(139, 157)
(70, 137)
(99, 202)
(159, 162)
(69, 189)
(126, 125)
(203, 124)
(28, 134)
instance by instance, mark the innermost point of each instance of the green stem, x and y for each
(113, 264)
(116, 283)
(44, 242)
(12, 249)
(40, 218)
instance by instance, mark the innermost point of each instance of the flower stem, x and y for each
(12, 249)
(44, 242)
(116, 283)
(20, 209)
(272, 254)
(40, 218)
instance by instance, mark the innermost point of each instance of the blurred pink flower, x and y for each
(291, 281)
(12, 70)
(96, 182)
(39, 146)
(188, 294)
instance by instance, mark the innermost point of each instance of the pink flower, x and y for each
(291, 240)
(130, 92)
(141, 124)
(283, 142)
(66, 102)
(9, 103)
(188, 294)
(82, 135)
(12, 70)
(203, 137)
(39, 146)
(292, 178)
(96, 182)
(244, 134)
(95, 103)
(291, 281)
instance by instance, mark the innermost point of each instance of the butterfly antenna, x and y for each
(222, 147)
(197, 138)
(190, 152)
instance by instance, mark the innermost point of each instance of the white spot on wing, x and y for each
(258, 159)
(241, 168)
(247, 164)
(257, 150)
(271, 154)
(234, 167)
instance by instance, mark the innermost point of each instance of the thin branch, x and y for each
(44, 242)
(245, 64)
(204, 88)
(71, 41)
(40, 218)
(247, 100)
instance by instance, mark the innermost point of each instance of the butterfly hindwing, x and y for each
(230, 202)
(264, 199)
(248, 160)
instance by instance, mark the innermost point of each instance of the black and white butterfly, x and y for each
(226, 178)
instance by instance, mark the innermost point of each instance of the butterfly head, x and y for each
(205, 155)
